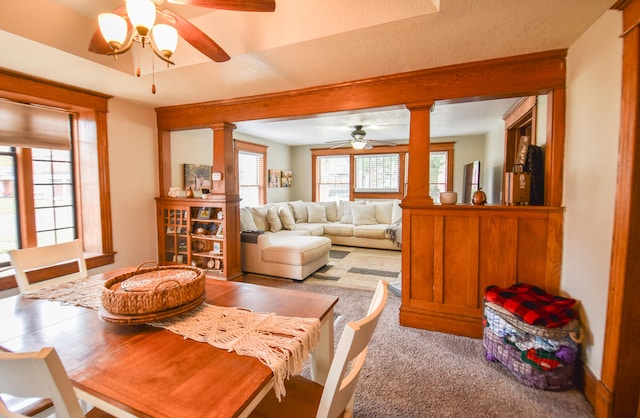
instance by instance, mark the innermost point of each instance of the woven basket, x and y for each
(149, 290)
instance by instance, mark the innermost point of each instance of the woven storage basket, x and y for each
(498, 349)
(155, 289)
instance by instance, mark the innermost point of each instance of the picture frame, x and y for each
(287, 177)
(217, 248)
(170, 229)
(197, 176)
(274, 177)
(220, 232)
(204, 213)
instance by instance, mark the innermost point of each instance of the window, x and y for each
(440, 169)
(380, 173)
(251, 173)
(48, 193)
(333, 178)
(377, 173)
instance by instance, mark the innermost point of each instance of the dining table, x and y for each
(142, 370)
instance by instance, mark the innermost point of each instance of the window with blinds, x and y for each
(333, 178)
(39, 203)
(250, 177)
(377, 173)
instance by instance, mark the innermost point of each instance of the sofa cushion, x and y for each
(338, 229)
(294, 250)
(383, 211)
(286, 217)
(377, 231)
(331, 208)
(246, 220)
(299, 210)
(344, 210)
(274, 219)
(313, 229)
(259, 214)
(364, 214)
(316, 213)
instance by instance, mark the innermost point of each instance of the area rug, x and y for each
(358, 268)
(413, 373)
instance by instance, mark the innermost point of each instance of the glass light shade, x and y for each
(358, 144)
(166, 39)
(113, 28)
(142, 14)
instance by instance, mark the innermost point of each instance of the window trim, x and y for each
(239, 146)
(447, 147)
(89, 129)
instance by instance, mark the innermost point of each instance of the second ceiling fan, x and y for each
(359, 141)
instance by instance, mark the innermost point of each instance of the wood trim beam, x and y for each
(522, 75)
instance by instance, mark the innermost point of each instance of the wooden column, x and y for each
(620, 375)
(224, 161)
(419, 138)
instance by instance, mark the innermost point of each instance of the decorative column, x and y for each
(419, 155)
(224, 160)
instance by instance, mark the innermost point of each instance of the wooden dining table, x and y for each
(146, 371)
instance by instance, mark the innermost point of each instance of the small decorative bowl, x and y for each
(448, 198)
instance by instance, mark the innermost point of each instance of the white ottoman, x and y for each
(289, 256)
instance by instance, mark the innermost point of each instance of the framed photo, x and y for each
(274, 178)
(170, 229)
(220, 233)
(204, 213)
(287, 176)
(205, 191)
(216, 248)
(197, 176)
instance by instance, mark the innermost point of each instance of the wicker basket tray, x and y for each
(156, 289)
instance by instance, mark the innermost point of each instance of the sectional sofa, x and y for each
(293, 239)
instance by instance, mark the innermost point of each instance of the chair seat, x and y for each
(301, 401)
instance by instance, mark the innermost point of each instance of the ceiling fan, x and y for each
(359, 141)
(143, 22)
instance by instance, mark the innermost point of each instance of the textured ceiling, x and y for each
(302, 44)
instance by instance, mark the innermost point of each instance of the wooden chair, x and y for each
(66, 261)
(38, 385)
(305, 398)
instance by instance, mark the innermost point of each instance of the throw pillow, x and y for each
(316, 213)
(246, 220)
(274, 219)
(396, 212)
(299, 209)
(383, 211)
(332, 210)
(259, 214)
(287, 219)
(347, 216)
(364, 214)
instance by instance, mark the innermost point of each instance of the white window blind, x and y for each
(250, 168)
(333, 178)
(377, 173)
(29, 126)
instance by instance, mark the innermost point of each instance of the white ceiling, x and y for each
(304, 43)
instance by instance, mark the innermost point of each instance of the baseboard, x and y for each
(596, 393)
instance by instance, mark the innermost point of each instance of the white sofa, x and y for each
(360, 223)
(298, 235)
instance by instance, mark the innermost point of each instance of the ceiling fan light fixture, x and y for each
(358, 144)
(113, 29)
(358, 134)
(142, 15)
(166, 39)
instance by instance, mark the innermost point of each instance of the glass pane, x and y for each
(62, 173)
(8, 207)
(46, 238)
(45, 219)
(43, 195)
(60, 155)
(249, 196)
(64, 217)
(65, 235)
(63, 195)
(333, 175)
(41, 154)
(42, 172)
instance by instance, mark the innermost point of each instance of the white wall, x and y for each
(133, 174)
(189, 147)
(594, 66)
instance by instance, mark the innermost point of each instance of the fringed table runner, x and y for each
(281, 343)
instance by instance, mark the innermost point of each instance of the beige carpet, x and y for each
(358, 268)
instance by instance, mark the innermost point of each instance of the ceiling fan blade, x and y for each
(376, 142)
(368, 146)
(339, 145)
(193, 35)
(97, 44)
(236, 5)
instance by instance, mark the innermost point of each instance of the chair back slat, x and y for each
(28, 262)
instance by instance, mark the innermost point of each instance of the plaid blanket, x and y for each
(533, 305)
